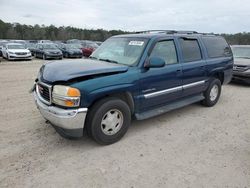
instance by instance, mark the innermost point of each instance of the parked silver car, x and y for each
(13, 51)
(241, 70)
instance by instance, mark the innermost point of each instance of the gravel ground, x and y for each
(191, 147)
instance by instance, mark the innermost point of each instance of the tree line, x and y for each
(42, 32)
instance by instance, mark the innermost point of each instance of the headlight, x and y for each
(66, 96)
(11, 52)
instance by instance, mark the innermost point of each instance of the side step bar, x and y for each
(169, 107)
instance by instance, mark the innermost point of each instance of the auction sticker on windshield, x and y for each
(136, 43)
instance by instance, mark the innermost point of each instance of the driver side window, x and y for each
(165, 50)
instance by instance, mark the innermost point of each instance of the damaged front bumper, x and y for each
(67, 122)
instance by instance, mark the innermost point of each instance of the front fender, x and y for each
(94, 95)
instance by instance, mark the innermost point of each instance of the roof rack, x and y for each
(167, 32)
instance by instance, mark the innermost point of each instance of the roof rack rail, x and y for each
(167, 32)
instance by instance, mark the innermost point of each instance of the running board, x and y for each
(169, 107)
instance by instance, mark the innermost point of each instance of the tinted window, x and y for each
(165, 50)
(190, 49)
(216, 47)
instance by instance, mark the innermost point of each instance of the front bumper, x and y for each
(242, 77)
(14, 56)
(54, 56)
(67, 122)
(75, 55)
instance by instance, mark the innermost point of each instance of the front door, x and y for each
(162, 85)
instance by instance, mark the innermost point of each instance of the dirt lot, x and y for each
(190, 147)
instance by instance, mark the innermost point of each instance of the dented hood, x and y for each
(71, 69)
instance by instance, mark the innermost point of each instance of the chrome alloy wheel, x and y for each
(214, 92)
(112, 122)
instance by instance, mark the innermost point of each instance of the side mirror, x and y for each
(154, 62)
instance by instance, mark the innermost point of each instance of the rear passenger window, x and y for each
(165, 50)
(216, 47)
(190, 49)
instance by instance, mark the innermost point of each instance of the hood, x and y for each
(74, 50)
(51, 50)
(18, 50)
(71, 69)
(242, 61)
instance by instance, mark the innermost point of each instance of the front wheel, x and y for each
(108, 120)
(44, 57)
(212, 94)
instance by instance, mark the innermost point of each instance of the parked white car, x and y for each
(12, 51)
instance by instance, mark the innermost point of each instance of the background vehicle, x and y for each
(71, 50)
(241, 69)
(2, 43)
(88, 47)
(74, 41)
(48, 51)
(31, 47)
(136, 75)
(45, 41)
(23, 42)
(13, 51)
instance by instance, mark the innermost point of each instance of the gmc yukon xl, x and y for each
(132, 76)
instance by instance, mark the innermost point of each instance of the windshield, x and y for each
(15, 46)
(241, 52)
(49, 46)
(30, 45)
(121, 50)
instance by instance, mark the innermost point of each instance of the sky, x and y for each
(217, 16)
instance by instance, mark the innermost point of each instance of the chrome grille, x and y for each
(44, 92)
(20, 53)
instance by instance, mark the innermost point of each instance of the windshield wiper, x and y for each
(109, 60)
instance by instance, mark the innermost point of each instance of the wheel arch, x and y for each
(125, 96)
(218, 73)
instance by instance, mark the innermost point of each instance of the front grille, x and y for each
(240, 68)
(44, 91)
(21, 53)
(54, 52)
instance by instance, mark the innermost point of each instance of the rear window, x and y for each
(216, 47)
(190, 49)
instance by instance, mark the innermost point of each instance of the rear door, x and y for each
(193, 65)
(162, 85)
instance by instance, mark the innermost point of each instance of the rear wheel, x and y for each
(212, 94)
(108, 120)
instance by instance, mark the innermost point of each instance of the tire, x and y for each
(108, 120)
(212, 94)
(7, 57)
(44, 57)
